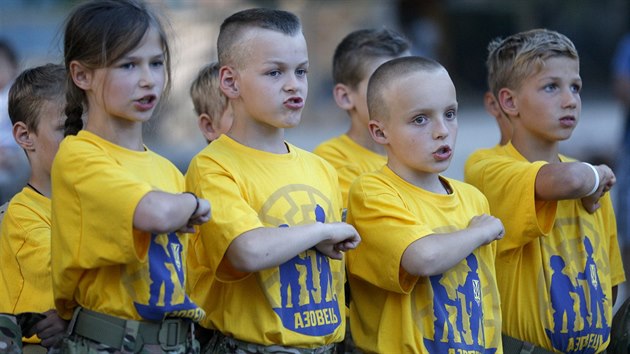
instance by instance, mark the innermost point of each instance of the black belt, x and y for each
(512, 345)
(110, 330)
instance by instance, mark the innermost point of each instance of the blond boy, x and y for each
(423, 279)
(214, 115)
(559, 263)
(274, 247)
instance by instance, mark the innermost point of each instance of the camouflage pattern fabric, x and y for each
(76, 344)
(10, 335)
(221, 344)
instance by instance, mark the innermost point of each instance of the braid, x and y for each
(74, 110)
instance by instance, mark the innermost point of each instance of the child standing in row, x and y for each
(423, 279)
(36, 108)
(118, 261)
(274, 246)
(355, 59)
(214, 115)
(559, 263)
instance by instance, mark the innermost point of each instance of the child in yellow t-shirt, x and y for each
(274, 247)
(36, 104)
(355, 59)
(214, 115)
(423, 279)
(559, 221)
(120, 216)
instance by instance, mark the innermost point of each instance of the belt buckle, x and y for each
(170, 333)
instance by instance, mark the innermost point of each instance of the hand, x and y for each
(200, 216)
(491, 227)
(51, 329)
(343, 237)
(607, 179)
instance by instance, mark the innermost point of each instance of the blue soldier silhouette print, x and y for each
(311, 314)
(583, 336)
(164, 259)
(469, 339)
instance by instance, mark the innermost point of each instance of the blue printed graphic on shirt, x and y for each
(167, 295)
(464, 333)
(579, 318)
(307, 308)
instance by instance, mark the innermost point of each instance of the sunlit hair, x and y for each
(229, 48)
(359, 48)
(389, 73)
(97, 34)
(205, 93)
(513, 59)
(31, 89)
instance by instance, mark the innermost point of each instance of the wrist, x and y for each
(196, 204)
(597, 179)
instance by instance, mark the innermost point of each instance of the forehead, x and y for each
(422, 89)
(558, 65)
(269, 45)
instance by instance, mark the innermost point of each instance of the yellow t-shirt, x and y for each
(394, 312)
(299, 303)
(25, 284)
(99, 261)
(350, 160)
(557, 264)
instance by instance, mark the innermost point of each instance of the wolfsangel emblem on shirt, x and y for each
(593, 275)
(176, 255)
(477, 291)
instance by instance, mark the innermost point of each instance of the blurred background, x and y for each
(454, 32)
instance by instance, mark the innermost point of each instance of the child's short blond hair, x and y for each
(513, 59)
(206, 94)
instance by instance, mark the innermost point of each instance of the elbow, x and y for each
(241, 257)
(423, 264)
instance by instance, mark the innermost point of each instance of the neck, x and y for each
(536, 150)
(426, 180)
(362, 137)
(40, 185)
(127, 135)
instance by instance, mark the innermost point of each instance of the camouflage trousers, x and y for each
(221, 344)
(76, 344)
(11, 339)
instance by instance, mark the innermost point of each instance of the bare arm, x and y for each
(437, 253)
(573, 180)
(268, 247)
(161, 212)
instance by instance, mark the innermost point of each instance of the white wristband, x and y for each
(596, 186)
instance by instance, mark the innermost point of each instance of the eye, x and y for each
(550, 87)
(451, 115)
(274, 73)
(301, 72)
(421, 119)
(157, 63)
(127, 65)
(576, 88)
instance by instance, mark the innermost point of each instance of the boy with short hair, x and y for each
(274, 247)
(559, 264)
(494, 109)
(355, 59)
(36, 108)
(423, 280)
(214, 115)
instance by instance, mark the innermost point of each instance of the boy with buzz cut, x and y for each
(274, 247)
(214, 115)
(36, 108)
(559, 263)
(423, 280)
(355, 59)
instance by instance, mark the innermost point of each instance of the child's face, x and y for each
(422, 126)
(548, 103)
(130, 89)
(272, 83)
(49, 133)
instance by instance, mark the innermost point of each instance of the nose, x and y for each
(570, 98)
(147, 78)
(440, 130)
(292, 83)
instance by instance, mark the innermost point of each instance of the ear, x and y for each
(80, 75)
(377, 131)
(343, 97)
(208, 127)
(508, 102)
(22, 136)
(227, 81)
